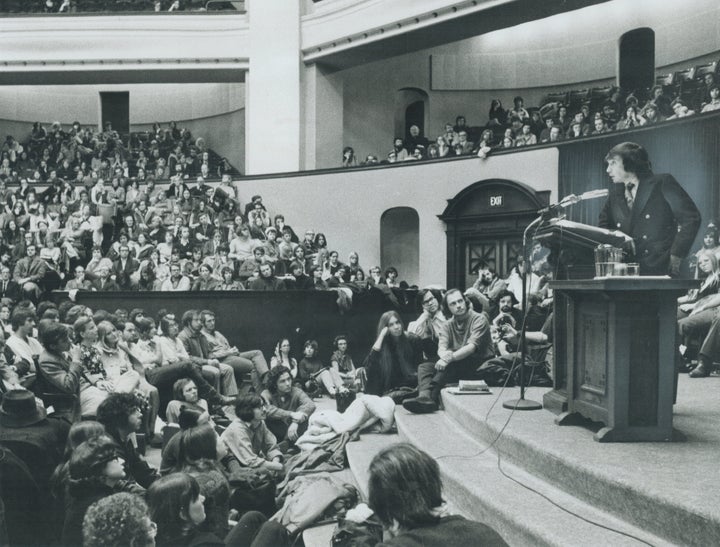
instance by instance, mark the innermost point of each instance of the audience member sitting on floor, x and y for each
(311, 370)
(243, 362)
(121, 414)
(203, 455)
(394, 357)
(248, 438)
(185, 395)
(427, 327)
(177, 506)
(342, 362)
(288, 408)
(464, 345)
(95, 471)
(413, 512)
(118, 520)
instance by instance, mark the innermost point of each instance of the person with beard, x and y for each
(401, 152)
(487, 288)
(464, 344)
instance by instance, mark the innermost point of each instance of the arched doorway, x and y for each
(485, 222)
(636, 60)
(400, 242)
(410, 109)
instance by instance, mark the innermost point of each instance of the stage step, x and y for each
(476, 484)
(667, 489)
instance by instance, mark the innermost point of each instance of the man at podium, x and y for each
(654, 210)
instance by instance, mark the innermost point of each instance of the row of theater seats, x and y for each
(114, 6)
(682, 84)
(685, 83)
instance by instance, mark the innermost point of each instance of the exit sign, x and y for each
(496, 201)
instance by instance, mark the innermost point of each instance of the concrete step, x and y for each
(486, 488)
(667, 489)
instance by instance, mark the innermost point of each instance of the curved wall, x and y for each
(347, 205)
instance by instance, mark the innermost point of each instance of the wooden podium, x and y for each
(617, 363)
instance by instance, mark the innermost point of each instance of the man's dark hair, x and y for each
(634, 158)
(188, 316)
(245, 404)
(273, 376)
(115, 410)
(19, 316)
(404, 486)
(44, 305)
(52, 333)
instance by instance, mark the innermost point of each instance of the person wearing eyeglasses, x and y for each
(428, 326)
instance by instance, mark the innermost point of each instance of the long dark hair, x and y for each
(396, 356)
(197, 443)
(168, 498)
(404, 486)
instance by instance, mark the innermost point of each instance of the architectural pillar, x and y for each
(273, 117)
(323, 118)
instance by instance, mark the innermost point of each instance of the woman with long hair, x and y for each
(497, 116)
(177, 507)
(393, 358)
(412, 512)
(709, 272)
(281, 357)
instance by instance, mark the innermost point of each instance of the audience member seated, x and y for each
(266, 280)
(412, 512)
(288, 408)
(242, 362)
(427, 327)
(121, 414)
(185, 396)
(95, 472)
(281, 357)
(487, 288)
(197, 346)
(177, 506)
(117, 520)
(60, 378)
(312, 372)
(394, 357)
(248, 438)
(464, 344)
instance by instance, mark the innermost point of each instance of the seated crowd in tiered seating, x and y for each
(98, 222)
(563, 116)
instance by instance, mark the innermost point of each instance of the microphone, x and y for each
(572, 199)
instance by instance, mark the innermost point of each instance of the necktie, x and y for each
(629, 195)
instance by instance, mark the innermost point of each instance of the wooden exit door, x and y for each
(501, 254)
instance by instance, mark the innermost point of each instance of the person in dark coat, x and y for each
(95, 472)
(411, 512)
(121, 415)
(653, 209)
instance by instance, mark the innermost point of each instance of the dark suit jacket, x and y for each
(122, 275)
(110, 285)
(664, 221)
(12, 291)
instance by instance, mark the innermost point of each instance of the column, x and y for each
(273, 118)
(323, 118)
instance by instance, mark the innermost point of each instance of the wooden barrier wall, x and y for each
(257, 319)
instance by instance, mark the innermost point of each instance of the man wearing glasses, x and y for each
(429, 325)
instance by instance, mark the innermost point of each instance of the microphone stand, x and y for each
(522, 403)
